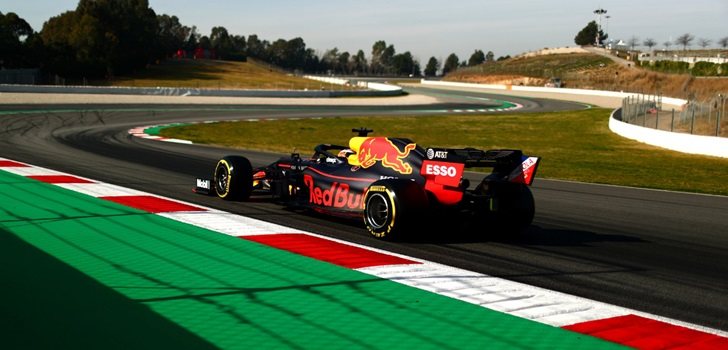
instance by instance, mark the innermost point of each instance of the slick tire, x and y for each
(391, 208)
(233, 178)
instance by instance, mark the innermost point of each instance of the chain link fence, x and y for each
(707, 117)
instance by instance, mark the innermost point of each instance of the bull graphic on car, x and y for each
(381, 149)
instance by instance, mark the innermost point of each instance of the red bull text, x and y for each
(338, 195)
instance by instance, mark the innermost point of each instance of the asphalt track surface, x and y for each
(659, 252)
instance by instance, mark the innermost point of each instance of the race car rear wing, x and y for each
(510, 165)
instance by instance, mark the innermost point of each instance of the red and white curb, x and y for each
(139, 132)
(483, 110)
(613, 323)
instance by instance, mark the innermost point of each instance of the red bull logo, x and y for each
(338, 195)
(381, 149)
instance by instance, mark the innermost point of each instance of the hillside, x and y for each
(216, 75)
(589, 71)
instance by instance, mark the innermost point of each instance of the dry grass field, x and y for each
(590, 71)
(213, 74)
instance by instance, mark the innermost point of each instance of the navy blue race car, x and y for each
(390, 183)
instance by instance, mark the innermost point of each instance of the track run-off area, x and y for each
(651, 262)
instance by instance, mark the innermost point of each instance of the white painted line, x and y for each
(187, 142)
(522, 300)
(102, 190)
(31, 171)
(229, 224)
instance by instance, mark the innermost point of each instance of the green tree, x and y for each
(331, 59)
(288, 53)
(404, 64)
(172, 35)
(238, 48)
(685, 40)
(56, 36)
(588, 35)
(221, 42)
(205, 42)
(432, 67)
(382, 55)
(103, 38)
(377, 51)
(650, 43)
(476, 58)
(277, 52)
(255, 47)
(490, 57)
(344, 62)
(451, 64)
(312, 63)
(387, 58)
(633, 42)
(704, 43)
(13, 49)
(359, 62)
(193, 39)
(723, 42)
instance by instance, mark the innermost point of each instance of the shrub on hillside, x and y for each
(723, 68)
(671, 67)
(705, 69)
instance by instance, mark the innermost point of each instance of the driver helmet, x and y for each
(345, 153)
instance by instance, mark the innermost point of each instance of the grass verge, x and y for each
(574, 145)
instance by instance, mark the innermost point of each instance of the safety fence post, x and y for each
(719, 115)
(644, 110)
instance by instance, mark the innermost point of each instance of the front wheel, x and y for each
(391, 206)
(233, 178)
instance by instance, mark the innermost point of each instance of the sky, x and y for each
(429, 28)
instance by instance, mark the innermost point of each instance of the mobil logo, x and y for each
(375, 149)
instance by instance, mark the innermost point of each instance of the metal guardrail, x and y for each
(706, 118)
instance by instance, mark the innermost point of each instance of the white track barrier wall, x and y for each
(616, 95)
(364, 84)
(686, 143)
(373, 90)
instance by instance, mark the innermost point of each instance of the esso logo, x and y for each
(440, 170)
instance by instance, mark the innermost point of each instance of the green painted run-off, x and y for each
(154, 130)
(81, 272)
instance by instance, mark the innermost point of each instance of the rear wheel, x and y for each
(514, 208)
(233, 178)
(391, 206)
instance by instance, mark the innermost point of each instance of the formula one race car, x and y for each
(392, 183)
